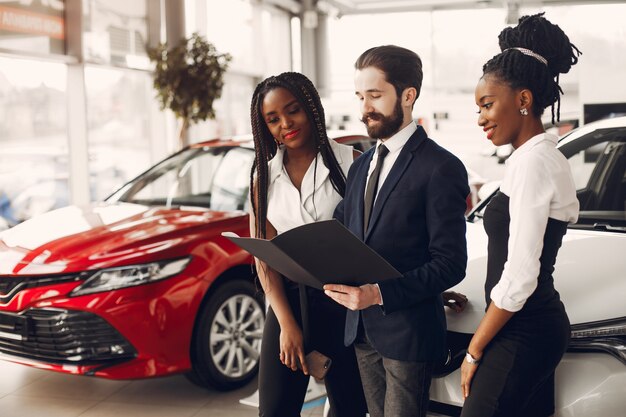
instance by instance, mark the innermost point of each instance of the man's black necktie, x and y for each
(372, 186)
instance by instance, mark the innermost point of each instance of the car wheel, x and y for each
(226, 347)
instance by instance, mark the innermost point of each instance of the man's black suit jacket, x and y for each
(418, 226)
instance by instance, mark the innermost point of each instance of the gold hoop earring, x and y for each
(523, 111)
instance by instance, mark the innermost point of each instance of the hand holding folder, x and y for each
(319, 253)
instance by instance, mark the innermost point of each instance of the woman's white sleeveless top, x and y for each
(287, 207)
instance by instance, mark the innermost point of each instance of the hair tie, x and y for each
(530, 53)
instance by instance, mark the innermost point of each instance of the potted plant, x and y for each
(188, 79)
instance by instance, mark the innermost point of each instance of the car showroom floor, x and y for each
(29, 392)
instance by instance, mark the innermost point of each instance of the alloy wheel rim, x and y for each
(235, 336)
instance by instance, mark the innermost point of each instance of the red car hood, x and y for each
(74, 239)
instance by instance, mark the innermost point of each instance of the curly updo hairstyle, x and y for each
(265, 146)
(519, 70)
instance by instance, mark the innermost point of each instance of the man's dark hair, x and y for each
(519, 70)
(402, 67)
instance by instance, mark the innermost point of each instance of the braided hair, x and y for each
(265, 146)
(520, 70)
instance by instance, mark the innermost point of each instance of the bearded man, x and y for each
(405, 198)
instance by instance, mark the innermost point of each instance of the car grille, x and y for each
(62, 336)
(11, 285)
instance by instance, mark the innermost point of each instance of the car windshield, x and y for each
(211, 177)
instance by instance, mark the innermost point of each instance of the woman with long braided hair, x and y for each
(511, 359)
(298, 177)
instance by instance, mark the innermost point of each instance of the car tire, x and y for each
(225, 350)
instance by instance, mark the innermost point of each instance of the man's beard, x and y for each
(387, 126)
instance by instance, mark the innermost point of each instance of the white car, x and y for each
(590, 275)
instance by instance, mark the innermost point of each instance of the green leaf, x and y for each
(189, 77)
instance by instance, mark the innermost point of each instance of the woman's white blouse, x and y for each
(539, 183)
(287, 207)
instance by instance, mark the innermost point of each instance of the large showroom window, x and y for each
(115, 32)
(119, 94)
(33, 138)
(34, 161)
(118, 120)
(258, 38)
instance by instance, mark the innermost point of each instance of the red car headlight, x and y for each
(131, 275)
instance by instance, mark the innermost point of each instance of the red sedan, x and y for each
(142, 284)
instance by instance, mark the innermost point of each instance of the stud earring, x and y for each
(523, 111)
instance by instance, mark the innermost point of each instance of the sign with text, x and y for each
(33, 26)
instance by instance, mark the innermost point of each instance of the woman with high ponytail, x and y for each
(298, 176)
(511, 359)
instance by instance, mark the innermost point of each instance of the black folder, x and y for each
(319, 253)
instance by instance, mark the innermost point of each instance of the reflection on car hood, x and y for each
(588, 275)
(74, 238)
(473, 283)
